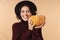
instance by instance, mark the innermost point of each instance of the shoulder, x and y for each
(15, 25)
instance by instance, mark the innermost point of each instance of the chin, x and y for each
(25, 19)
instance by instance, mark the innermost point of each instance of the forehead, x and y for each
(25, 8)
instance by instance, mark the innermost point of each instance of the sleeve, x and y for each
(37, 34)
(16, 34)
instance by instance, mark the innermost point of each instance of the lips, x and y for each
(26, 16)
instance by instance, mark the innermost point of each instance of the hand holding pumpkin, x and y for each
(38, 20)
(30, 24)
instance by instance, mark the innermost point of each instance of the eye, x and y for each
(22, 11)
(28, 11)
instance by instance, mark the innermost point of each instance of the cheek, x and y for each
(29, 14)
(22, 14)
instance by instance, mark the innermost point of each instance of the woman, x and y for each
(25, 30)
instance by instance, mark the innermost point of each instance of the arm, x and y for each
(37, 30)
(15, 32)
(37, 34)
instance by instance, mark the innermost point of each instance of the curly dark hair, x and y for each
(30, 4)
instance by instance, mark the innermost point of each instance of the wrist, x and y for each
(31, 28)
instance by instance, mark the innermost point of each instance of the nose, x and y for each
(26, 13)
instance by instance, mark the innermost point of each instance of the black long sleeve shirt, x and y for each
(20, 31)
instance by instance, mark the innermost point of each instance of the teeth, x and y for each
(25, 16)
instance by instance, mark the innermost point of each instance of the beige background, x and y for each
(49, 8)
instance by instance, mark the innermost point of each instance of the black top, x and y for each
(20, 31)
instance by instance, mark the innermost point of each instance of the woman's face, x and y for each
(25, 13)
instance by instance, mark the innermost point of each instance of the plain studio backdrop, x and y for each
(49, 8)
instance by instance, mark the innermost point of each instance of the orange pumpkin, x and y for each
(37, 19)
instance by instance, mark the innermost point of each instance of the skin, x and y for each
(25, 14)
